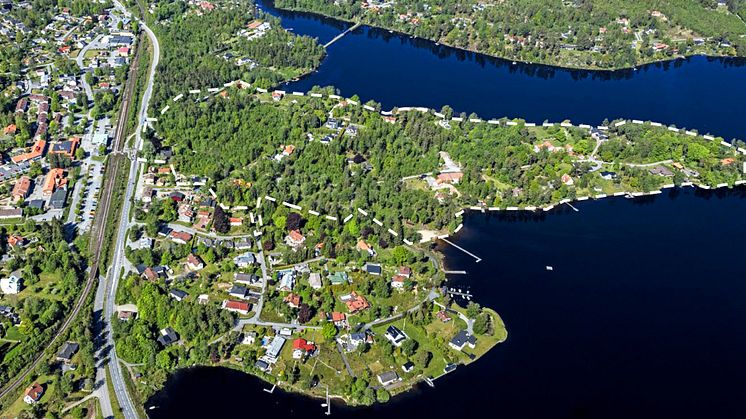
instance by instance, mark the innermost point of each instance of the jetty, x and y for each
(341, 35)
(478, 259)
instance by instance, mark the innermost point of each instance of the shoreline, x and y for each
(507, 60)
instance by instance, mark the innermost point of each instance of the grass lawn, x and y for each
(19, 405)
(13, 334)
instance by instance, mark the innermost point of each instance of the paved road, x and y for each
(79, 61)
(112, 278)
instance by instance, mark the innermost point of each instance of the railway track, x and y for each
(99, 227)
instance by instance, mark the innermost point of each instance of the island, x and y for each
(583, 34)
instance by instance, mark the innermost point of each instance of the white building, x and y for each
(11, 284)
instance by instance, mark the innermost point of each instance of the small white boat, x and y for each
(550, 268)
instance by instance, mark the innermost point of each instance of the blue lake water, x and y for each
(644, 314)
(702, 93)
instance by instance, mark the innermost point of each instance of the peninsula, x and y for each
(291, 235)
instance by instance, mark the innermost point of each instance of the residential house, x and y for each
(180, 237)
(33, 393)
(247, 279)
(21, 189)
(67, 351)
(339, 278)
(355, 302)
(238, 291)
(168, 336)
(11, 284)
(287, 280)
(314, 280)
(235, 221)
(567, 180)
(462, 339)
(292, 300)
(16, 240)
(124, 315)
(339, 319)
(373, 269)
(661, 171)
(395, 335)
(248, 338)
(397, 281)
(449, 177)
(243, 244)
(365, 247)
(408, 366)
(295, 239)
(244, 260)
(274, 349)
(302, 347)
(194, 263)
(388, 377)
(178, 295)
(443, 316)
(241, 307)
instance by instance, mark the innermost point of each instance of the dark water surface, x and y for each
(699, 93)
(644, 315)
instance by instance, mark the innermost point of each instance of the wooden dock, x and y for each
(341, 35)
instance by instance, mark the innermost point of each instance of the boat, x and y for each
(550, 268)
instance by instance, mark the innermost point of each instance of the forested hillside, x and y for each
(581, 33)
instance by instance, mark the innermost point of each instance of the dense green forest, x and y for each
(573, 33)
(237, 138)
(200, 51)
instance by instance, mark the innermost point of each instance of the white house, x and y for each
(11, 284)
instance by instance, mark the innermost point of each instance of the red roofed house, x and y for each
(194, 263)
(567, 180)
(180, 237)
(356, 303)
(339, 319)
(33, 393)
(451, 177)
(237, 306)
(293, 300)
(123, 51)
(365, 247)
(398, 281)
(235, 221)
(405, 271)
(288, 150)
(10, 129)
(21, 188)
(295, 239)
(302, 347)
(15, 240)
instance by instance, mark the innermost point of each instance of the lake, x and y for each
(643, 315)
(701, 93)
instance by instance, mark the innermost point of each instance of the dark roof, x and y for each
(178, 293)
(395, 333)
(462, 338)
(58, 199)
(67, 351)
(373, 268)
(168, 336)
(238, 290)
